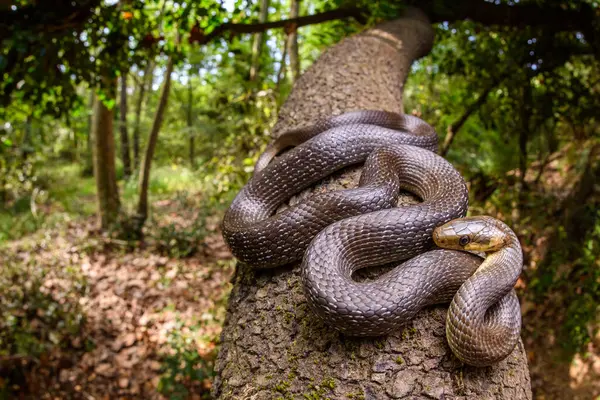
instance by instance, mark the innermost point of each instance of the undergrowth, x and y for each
(40, 316)
(187, 368)
(577, 286)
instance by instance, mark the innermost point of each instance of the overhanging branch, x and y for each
(516, 15)
(549, 17)
(319, 18)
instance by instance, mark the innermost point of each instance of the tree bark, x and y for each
(190, 115)
(142, 208)
(293, 42)
(125, 153)
(104, 164)
(273, 346)
(259, 38)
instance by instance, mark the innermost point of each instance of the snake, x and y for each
(336, 233)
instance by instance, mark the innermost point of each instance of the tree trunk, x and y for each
(190, 109)
(142, 208)
(123, 128)
(146, 81)
(88, 167)
(104, 164)
(293, 42)
(257, 45)
(273, 346)
(282, 67)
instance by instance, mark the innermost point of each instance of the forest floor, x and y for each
(106, 318)
(145, 319)
(145, 316)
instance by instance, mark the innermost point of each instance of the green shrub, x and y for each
(184, 369)
(39, 313)
(178, 242)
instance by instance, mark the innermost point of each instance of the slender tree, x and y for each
(125, 151)
(143, 85)
(88, 166)
(104, 161)
(142, 207)
(283, 65)
(189, 119)
(259, 39)
(293, 41)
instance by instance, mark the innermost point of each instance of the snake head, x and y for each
(471, 234)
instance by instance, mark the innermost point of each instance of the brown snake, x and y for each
(356, 228)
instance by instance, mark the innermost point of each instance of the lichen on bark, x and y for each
(272, 345)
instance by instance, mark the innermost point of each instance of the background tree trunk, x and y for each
(142, 208)
(258, 41)
(125, 157)
(88, 163)
(104, 165)
(281, 73)
(273, 346)
(293, 42)
(146, 81)
(190, 120)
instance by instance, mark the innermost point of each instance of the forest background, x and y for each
(127, 127)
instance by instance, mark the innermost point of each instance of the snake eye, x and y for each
(464, 240)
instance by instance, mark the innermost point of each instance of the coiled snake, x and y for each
(342, 231)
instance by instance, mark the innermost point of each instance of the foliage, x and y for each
(40, 314)
(185, 368)
(178, 241)
(543, 86)
(579, 285)
(32, 319)
(55, 195)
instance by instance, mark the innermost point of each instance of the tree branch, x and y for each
(47, 16)
(518, 15)
(340, 13)
(455, 126)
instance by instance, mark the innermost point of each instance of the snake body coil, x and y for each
(264, 240)
(356, 228)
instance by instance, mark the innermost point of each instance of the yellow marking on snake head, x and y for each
(471, 234)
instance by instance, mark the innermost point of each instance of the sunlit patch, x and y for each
(584, 371)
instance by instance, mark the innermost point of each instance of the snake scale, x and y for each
(339, 232)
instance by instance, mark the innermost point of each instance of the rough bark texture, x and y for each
(104, 165)
(273, 346)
